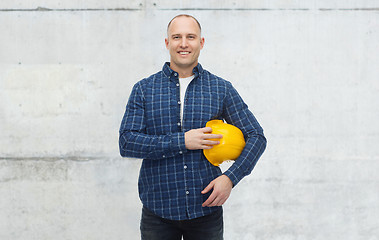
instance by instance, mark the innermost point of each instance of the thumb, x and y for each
(208, 188)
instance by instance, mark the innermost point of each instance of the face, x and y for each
(184, 43)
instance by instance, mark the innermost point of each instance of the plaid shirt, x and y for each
(172, 177)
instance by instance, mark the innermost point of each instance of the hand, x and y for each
(222, 186)
(198, 138)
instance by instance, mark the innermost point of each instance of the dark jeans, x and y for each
(210, 227)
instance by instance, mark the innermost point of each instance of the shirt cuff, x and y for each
(233, 175)
(178, 143)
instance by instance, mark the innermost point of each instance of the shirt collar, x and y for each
(174, 75)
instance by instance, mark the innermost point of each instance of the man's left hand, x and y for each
(222, 186)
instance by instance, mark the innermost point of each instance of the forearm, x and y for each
(139, 145)
(238, 114)
(245, 163)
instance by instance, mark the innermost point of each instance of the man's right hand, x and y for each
(200, 138)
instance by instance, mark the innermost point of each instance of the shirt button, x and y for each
(179, 102)
(178, 123)
(164, 156)
(185, 166)
(175, 74)
(177, 84)
(180, 152)
(187, 192)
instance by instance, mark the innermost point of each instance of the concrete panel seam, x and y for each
(53, 159)
(43, 9)
(268, 9)
(185, 9)
(348, 9)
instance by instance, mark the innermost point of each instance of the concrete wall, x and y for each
(307, 69)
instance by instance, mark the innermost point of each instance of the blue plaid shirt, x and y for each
(172, 177)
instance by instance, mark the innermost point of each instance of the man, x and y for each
(182, 193)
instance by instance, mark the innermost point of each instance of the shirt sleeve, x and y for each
(135, 142)
(236, 112)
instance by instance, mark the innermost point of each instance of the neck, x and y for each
(183, 72)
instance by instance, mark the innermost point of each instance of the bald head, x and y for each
(183, 15)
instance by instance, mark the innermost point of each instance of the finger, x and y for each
(211, 136)
(221, 202)
(208, 188)
(210, 142)
(206, 129)
(210, 199)
(205, 147)
(215, 202)
(218, 201)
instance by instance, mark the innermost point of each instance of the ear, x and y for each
(202, 41)
(166, 42)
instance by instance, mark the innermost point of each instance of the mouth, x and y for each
(184, 53)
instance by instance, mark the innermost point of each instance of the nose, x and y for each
(183, 43)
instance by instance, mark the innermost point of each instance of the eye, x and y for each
(175, 37)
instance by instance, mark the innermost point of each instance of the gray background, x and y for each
(307, 69)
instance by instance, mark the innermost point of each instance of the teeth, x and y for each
(184, 52)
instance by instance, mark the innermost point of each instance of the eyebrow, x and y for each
(179, 34)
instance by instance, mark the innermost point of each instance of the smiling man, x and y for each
(164, 124)
(184, 42)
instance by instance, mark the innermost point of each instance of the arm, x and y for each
(133, 139)
(134, 142)
(236, 112)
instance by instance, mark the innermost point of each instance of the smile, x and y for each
(184, 53)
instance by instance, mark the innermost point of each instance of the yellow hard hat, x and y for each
(231, 144)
